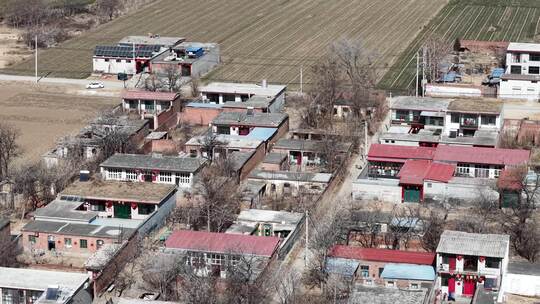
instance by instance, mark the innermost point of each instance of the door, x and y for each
(451, 285)
(468, 287)
(122, 211)
(50, 242)
(412, 195)
(452, 263)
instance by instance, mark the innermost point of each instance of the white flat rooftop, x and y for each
(34, 279)
(242, 88)
(524, 47)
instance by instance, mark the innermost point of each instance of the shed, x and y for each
(408, 272)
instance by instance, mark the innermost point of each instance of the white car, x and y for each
(95, 85)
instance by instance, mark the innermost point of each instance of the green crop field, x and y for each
(260, 39)
(494, 20)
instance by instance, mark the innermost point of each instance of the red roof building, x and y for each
(148, 95)
(415, 171)
(222, 243)
(382, 255)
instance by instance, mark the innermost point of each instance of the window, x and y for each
(402, 115)
(390, 284)
(492, 263)
(488, 120)
(445, 259)
(429, 185)
(97, 207)
(131, 175)
(192, 153)
(490, 283)
(516, 58)
(67, 242)
(223, 130)
(165, 177)
(216, 259)
(106, 59)
(83, 244)
(530, 89)
(364, 271)
(454, 118)
(145, 209)
(515, 69)
(534, 57)
(516, 89)
(128, 61)
(463, 170)
(381, 269)
(118, 60)
(99, 244)
(481, 171)
(444, 281)
(12, 296)
(183, 178)
(414, 286)
(114, 174)
(32, 239)
(534, 70)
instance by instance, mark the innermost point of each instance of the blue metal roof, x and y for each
(261, 133)
(497, 72)
(341, 266)
(408, 272)
(204, 105)
(194, 49)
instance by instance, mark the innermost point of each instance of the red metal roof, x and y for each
(414, 171)
(453, 154)
(147, 95)
(440, 172)
(400, 152)
(480, 155)
(222, 242)
(382, 255)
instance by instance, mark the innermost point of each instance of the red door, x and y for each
(452, 263)
(451, 285)
(468, 287)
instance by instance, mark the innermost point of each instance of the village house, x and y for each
(522, 72)
(275, 162)
(90, 214)
(283, 224)
(522, 278)
(412, 174)
(273, 96)
(470, 261)
(213, 253)
(218, 97)
(131, 55)
(243, 163)
(282, 183)
(155, 168)
(268, 127)
(305, 153)
(224, 145)
(90, 139)
(159, 108)
(390, 268)
(418, 121)
(187, 59)
(29, 286)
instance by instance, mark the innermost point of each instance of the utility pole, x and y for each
(307, 240)
(35, 59)
(424, 72)
(417, 63)
(365, 139)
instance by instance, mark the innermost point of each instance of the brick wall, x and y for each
(199, 116)
(281, 132)
(166, 120)
(160, 146)
(59, 239)
(255, 159)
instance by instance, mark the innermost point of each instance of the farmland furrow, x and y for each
(525, 22)
(481, 30)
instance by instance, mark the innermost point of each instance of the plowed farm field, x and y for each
(493, 20)
(263, 39)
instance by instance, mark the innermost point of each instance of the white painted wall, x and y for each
(519, 89)
(113, 67)
(184, 182)
(385, 190)
(440, 191)
(523, 61)
(520, 284)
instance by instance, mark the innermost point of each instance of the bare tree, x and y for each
(209, 142)
(172, 78)
(160, 273)
(433, 225)
(244, 283)
(436, 48)
(108, 8)
(9, 149)
(194, 289)
(287, 285)
(25, 13)
(403, 227)
(152, 83)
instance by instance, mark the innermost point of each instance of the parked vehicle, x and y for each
(95, 85)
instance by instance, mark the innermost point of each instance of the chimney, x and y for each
(264, 84)
(84, 175)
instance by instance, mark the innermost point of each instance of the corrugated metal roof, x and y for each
(382, 255)
(261, 133)
(440, 172)
(479, 155)
(344, 267)
(414, 171)
(147, 95)
(475, 244)
(222, 243)
(408, 272)
(150, 162)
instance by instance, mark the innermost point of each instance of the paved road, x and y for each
(82, 82)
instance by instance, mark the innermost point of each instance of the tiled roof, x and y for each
(147, 95)
(272, 120)
(415, 171)
(309, 145)
(382, 255)
(475, 244)
(345, 267)
(150, 162)
(379, 151)
(202, 241)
